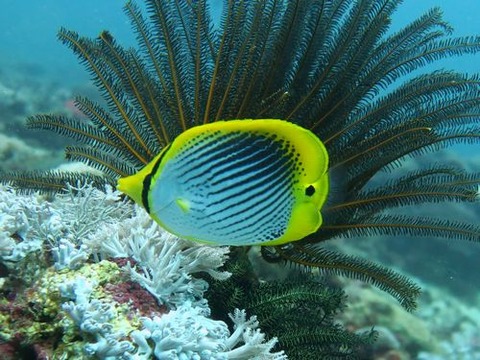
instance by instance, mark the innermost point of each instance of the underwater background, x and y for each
(38, 74)
(28, 30)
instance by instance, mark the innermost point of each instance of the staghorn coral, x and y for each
(67, 256)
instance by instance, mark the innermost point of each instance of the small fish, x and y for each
(237, 182)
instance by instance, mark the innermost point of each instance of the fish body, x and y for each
(236, 182)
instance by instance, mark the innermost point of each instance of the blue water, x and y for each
(28, 30)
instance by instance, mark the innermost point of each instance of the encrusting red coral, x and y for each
(140, 299)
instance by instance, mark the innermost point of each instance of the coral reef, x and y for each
(110, 284)
(30, 222)
(371, 308)
(35, 316)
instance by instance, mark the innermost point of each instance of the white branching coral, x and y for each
(27, 222)
(164, 263)
(80, 212)
(19, 217)
(247, 341)
(188, 333)
(95, 318)
(68, 256)
(184, 333)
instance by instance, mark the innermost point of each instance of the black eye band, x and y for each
(147, 181)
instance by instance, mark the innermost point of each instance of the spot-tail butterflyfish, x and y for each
(236, 182)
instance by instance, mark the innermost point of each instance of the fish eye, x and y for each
(310, 190)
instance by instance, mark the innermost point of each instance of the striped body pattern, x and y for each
(238, 182)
